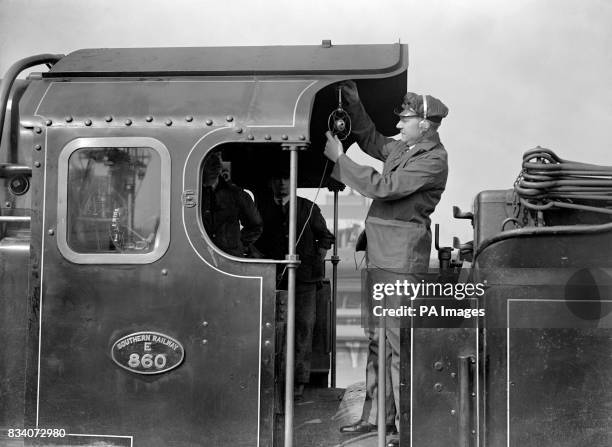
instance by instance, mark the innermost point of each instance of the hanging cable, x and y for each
(307, 219)
(547, 182)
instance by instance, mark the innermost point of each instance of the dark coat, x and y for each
(274, 241)
(223, 211)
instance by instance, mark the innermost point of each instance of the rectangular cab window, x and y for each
(114, 200)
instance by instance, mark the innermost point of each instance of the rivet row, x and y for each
(169, 122)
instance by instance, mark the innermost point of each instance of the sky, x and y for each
(514, 74)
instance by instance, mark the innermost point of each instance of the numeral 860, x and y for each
(147, 361)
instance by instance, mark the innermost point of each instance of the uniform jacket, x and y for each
(274, 241)
(404, 195)
(224, 209)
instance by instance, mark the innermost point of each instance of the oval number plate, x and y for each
(147, 352)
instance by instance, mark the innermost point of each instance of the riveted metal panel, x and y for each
(249, 102)
(549, 339)
(214, 306)
(220, 309)
(439, 386)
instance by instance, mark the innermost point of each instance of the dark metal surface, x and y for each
(231, 61)
(248, 101)
(271, 111)
(14, 257)
(560, 387)
(220, 309)
(491, 208)
(321, 337)
(546, 376)
(13, 158)
(434, 381)
(213, 395)
(544, 381)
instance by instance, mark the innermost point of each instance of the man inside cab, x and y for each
(225, 208)
(313, 241)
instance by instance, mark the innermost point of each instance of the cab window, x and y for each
(115, 204)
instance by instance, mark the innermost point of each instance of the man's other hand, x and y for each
(333, 147)
(349, 92)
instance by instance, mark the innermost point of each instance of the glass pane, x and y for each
(114, 200)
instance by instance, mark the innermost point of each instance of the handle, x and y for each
(466, 381)
(458, 214)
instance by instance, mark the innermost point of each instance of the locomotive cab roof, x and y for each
(312, 60)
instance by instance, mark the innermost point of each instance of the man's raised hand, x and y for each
(333, 147)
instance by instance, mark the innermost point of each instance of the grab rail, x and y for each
(13, 72)
(15, 219)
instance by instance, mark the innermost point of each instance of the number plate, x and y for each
(147, 352)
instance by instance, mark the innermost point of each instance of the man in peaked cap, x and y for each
(398, 225)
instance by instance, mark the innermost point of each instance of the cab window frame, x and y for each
(162, 238)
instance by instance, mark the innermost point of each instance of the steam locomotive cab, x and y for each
(124, 324)
(138, 330)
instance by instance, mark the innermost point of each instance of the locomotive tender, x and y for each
(123, 325)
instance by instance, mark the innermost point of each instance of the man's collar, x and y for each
(215, 185)
(282, 201)
(426, 144)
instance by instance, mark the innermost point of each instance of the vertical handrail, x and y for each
(464, 430)
(291, 266)
(334, 294)
(382, 382)
(11, 75)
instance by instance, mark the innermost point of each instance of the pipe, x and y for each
(334, 295)
(13, 72)
(15, 219)
(382, 383)
(542, 231)
(292, 266)
(7, 170)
